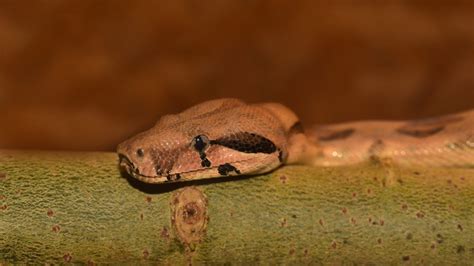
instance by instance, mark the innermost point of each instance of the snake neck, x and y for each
(302, 150)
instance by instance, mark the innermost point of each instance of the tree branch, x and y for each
(76, 207)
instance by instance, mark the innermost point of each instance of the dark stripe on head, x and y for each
(337, 135)
(419, 132)
(246, 142)
(225, 169)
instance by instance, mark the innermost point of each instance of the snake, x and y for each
(228, 137)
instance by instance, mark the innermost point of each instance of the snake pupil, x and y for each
(200, 142)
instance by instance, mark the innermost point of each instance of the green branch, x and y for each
(60, 207)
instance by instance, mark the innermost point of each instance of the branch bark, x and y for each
(76, 207)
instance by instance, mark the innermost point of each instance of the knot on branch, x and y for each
(189, 214)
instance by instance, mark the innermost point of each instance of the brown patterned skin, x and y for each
(228, 137)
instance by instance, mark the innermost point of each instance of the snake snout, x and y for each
(126, 164)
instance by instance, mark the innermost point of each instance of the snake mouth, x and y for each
(131, 169)
(127, 165)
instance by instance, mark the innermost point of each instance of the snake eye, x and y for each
(200, 142)
(140, 152)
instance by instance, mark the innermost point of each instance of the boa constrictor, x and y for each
(228, 137)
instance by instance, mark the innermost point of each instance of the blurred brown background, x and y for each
(84, 75)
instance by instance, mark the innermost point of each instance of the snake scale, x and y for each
(228, 137)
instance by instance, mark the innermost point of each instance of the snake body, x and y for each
(228, 137)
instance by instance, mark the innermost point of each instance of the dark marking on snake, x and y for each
(205, 162)
(419, 132)
(164, 161)
(200, 143)
(377, 147)
(246, 142)
(436, 121)
(296, 128)
(375, 150)
(225, 169)
(158, 171)
(174, 177)
(337, 135)
(427, 127)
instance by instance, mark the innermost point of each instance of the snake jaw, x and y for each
(131, 169)
(127, 165)
(241, 167)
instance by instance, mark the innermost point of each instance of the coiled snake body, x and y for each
(229, 137)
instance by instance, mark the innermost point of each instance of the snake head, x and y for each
(213, 139)
(149, 156)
